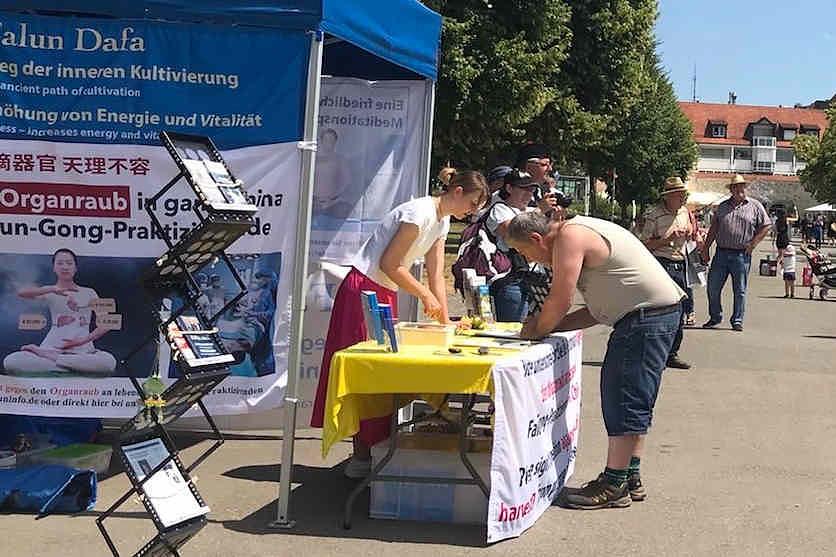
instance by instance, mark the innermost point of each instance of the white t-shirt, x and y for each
(788, 259)
(420, 212)
(500, 212)
(69, 323)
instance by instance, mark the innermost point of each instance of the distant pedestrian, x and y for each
(738, 227)
(667, 226)
(831, 232)
(818, 231)
(786, 259)
(806, 227)
(782, 229)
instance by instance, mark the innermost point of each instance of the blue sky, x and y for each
(769, 52)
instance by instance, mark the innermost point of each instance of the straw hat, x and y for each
(738, 179)
(674, 185)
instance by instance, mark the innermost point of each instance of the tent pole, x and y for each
(426, 151)
(423, 185)
(300, 277)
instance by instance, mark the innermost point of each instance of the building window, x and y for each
(743, 154)
(765, 167)
(789, 135)
(713, 153)
(718, 130)
(763, 141)
(783, 155)
(810, 131)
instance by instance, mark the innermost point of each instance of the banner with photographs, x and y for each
(79, 161)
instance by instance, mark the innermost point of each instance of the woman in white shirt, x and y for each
(507, 290)
(68, 346)
(414, 229)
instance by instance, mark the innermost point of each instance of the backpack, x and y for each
(477, 250)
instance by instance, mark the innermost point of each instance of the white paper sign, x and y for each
(536, 425)
(167, 490)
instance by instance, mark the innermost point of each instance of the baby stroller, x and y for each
(824, 272)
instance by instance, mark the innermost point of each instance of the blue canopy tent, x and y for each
(371, 39)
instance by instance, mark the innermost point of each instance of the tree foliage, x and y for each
(604, 74)
(819, 177)
(580, 76)
(498, 67)
(655, 141)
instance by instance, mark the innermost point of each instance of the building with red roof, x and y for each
(741, 139)
(755, 141)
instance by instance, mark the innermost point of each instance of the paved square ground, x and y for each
(741, 461)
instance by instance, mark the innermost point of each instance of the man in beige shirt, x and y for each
(667, 226)
(623, 287)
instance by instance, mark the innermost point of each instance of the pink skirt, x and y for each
(347, 327)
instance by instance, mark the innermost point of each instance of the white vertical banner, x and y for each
(536, 426)
(368, 161)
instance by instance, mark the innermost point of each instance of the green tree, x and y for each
(819, 176)
(603, 77)
(579, 76)
(655, 141)
(499, 66)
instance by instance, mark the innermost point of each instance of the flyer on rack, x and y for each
(167, 490)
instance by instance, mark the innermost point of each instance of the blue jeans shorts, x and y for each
(637, 353)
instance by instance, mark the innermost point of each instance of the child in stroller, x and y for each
(824, 272)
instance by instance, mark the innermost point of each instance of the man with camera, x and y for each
(534, 159)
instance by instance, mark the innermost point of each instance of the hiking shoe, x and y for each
(710, 324)
(737, 326)
(676, 363)
(635, 487)
(598, 494)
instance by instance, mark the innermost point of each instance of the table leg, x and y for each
(375, 471)
(467, 407)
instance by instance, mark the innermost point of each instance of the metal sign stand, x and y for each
(198, 374)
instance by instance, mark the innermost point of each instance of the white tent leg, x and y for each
(422, 187)
(426, 151)
(300, 279)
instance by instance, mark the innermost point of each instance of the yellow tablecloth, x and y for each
(363, 375)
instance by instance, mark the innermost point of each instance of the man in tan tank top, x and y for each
(624, 287)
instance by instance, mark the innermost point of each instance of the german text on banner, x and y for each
(82, 102)
(536, 426)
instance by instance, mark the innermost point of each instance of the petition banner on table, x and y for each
(538, 401)
(82, 103)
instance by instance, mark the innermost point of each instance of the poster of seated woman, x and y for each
(68, 347)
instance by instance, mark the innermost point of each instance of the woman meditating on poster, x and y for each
(415, 229)
(68, 346)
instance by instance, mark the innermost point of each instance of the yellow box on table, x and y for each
(425, 334)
